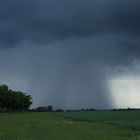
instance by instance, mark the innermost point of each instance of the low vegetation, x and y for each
(97, 125)
(125, 119)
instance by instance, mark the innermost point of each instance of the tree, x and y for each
(14, 100)
(50, 108)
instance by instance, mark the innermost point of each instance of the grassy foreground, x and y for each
(98, 125)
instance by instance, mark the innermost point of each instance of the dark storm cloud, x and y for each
(61, 50)
(47, 21)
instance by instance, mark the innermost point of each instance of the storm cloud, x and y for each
(63, 52)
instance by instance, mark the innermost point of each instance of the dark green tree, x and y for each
(14, 100)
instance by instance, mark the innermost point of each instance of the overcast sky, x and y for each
(72, 53)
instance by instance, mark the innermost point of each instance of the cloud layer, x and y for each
(62, 51)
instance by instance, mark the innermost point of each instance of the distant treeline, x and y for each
(45, 109)
(50, 109)
(42, 109)
(125, 109)
(13, 100)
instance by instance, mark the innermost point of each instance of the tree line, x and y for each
(13, 100)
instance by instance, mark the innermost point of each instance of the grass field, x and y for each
(98, 125)
(128, 119)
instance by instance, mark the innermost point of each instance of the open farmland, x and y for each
(98, 125)
(127, 119)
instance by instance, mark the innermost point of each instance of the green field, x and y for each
(127, 119)
(98, 125)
